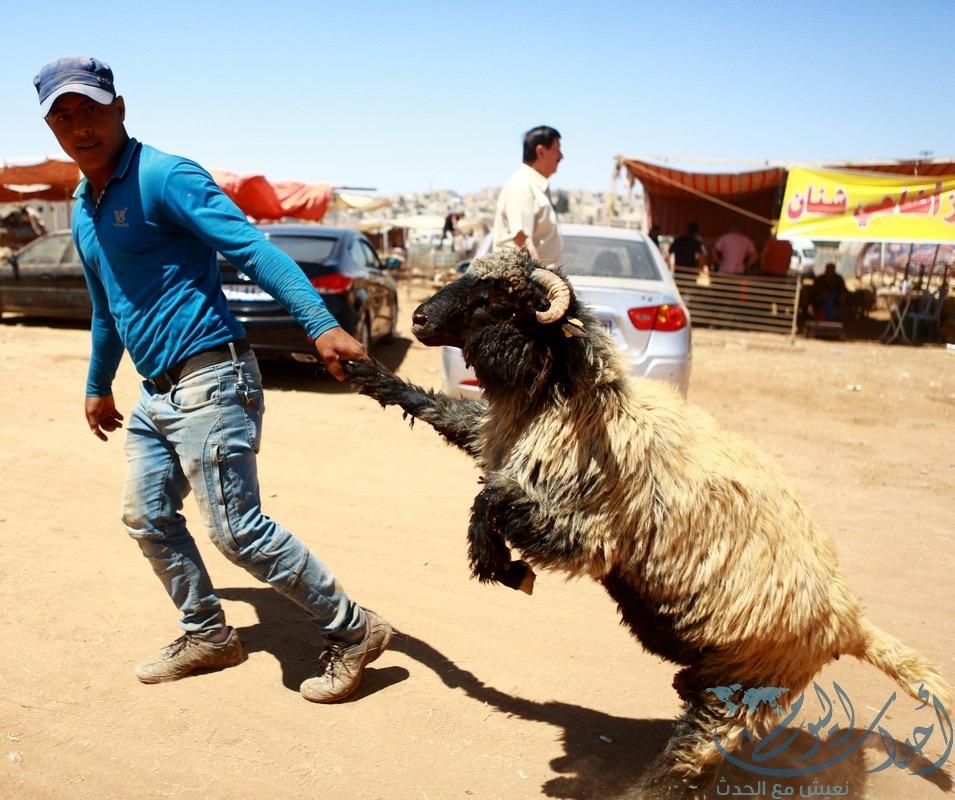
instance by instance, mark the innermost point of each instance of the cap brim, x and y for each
(93, 92)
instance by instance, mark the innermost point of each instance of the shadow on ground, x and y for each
(605, 756)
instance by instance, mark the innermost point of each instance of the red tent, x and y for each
(263, 200)
(54, 179)
(742, 201)
(47, 180)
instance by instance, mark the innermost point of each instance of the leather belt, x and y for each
(164, 381)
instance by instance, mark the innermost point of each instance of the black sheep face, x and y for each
(496, 290)
(491, 313)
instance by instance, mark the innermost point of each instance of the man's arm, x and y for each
(193, 200)
(105, 355)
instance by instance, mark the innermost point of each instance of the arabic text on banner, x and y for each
(830, 205)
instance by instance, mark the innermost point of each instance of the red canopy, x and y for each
(47, 180)
(263, 200)
(675, 198)
(742, 201)
(55, 180)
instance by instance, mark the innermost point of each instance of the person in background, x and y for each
(450, 226)
(734, 253)
(687, 250)
(776, 257)
(654, 233)
(525, 215)
(829, 294)
(147, 226)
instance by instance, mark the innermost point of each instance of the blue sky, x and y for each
(418, 96)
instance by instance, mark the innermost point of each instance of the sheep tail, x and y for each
(910, 670)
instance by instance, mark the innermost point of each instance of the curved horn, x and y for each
(558, 294)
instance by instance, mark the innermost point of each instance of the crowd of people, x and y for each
(825, 296)
(732, 253)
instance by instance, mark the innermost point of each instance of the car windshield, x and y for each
(608, 258)
(306, 249)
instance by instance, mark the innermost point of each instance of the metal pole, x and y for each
(792, 330)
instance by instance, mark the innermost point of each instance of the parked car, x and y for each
(342, 265)
(621, 275)
(45, 278)
(803, 260)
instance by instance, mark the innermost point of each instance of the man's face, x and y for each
(548, 158)
(90, 133)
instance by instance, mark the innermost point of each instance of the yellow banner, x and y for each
(867, 207)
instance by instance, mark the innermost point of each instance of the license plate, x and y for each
(243, 292)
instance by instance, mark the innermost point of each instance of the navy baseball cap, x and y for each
(79, 74)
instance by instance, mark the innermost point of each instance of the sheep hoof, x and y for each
(518, 575)
(527, 584)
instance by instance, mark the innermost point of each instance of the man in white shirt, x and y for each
(525, 214)
(733, 253)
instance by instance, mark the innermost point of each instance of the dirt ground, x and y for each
(486, 693)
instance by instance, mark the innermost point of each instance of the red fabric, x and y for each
(51, 171)
(777, 254)
(258, 198)
(52, 179)
(304, 201)
(673, 208)
(253, 194)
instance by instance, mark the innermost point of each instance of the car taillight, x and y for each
(336, 283)
(470, 382)
(658, 318)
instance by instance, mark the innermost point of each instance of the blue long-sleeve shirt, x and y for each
(148, 247)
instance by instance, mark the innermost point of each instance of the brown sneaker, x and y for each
(342, 666)
(188, 654)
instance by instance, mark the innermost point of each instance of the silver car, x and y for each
(621, 275)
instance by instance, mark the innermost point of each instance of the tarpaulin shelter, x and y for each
(752, 201)
(718, 202)
(51, 179)
(259, 198)
(747, 201)
(55, 179)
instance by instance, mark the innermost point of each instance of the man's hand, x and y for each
(521, 239)
(102, 416)
(335, 346)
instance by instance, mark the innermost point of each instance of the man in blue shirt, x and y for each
(147, 226)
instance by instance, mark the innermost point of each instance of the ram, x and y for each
(710, 556)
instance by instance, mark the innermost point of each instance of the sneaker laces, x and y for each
(331, 657)
(176, 647)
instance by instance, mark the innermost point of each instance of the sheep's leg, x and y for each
(488, 553)
(456, 420)
(692, 749)
(503, 514)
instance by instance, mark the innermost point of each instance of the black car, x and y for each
(342, 265)
(45, 278)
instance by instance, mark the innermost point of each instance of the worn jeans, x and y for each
(203, 435)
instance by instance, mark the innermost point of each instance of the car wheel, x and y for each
(390, 336)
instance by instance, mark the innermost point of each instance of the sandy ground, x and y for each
(486, 693)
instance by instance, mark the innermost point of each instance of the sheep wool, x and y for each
(708, 552)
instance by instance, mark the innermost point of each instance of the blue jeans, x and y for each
(203, 435)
